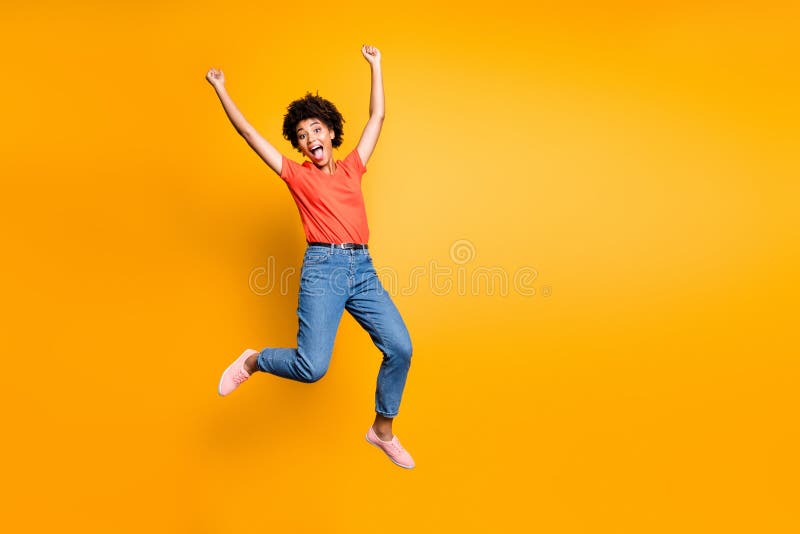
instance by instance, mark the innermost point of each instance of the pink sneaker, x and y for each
(393, 449)
(235, 374)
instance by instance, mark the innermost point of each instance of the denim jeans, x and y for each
(333, 280)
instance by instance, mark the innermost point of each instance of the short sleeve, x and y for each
(353, 161)
(288, 170)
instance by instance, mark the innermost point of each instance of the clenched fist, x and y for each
(215, 77)
(371, 54)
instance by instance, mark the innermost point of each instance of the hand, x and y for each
(215, 77)
(371, 54)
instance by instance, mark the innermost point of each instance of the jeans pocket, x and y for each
(315, 258)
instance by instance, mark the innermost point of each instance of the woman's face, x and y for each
(315, 140)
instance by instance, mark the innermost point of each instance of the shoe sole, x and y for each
(219, 387)
(384, 452)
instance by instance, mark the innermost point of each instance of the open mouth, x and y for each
(317, 152)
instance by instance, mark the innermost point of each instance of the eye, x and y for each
(317, 130)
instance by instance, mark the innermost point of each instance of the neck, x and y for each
(330, 168)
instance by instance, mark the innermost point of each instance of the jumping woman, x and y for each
(337, 272)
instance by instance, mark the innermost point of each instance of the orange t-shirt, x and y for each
(331, 205)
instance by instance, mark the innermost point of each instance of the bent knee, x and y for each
(402, 349)
(310, 367)
(313, 374)
(317, 375)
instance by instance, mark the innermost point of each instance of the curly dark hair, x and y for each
(308, 107)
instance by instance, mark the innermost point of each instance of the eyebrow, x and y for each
(312, 124)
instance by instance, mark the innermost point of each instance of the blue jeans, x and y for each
(333, 280)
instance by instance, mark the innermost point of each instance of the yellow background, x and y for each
(642, 157)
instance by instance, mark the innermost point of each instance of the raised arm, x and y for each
(376, 106)
(263, 148)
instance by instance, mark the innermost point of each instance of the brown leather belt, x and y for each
(338, 245)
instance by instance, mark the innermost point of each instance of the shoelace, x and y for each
(239, 377)
(394, 443)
